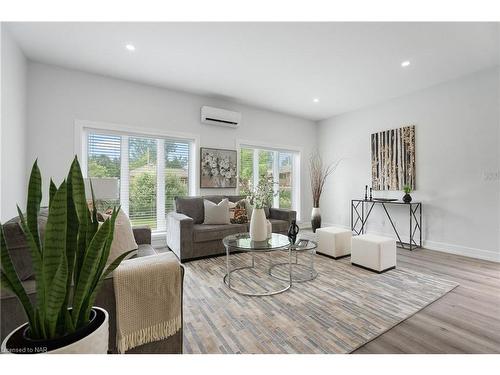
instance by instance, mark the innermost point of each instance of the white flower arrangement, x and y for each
(262, 195)
(216, 165)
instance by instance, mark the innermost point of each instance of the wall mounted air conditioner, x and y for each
(220, 117)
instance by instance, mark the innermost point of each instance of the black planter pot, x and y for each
(20, 342)
(407, 198)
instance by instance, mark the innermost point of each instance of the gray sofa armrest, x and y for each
(282, 214)
(180, 234)
(142, 235)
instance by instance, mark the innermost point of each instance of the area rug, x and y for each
(339, 311)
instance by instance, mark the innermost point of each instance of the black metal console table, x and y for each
(358, 219)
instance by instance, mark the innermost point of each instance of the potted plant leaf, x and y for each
(407, 196)
(69, 267)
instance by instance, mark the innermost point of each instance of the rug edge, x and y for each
(405, 319)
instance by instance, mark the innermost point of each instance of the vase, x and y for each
(407, 198)
(90, 339)
(258, 225)
(269, 229)
(315, 219)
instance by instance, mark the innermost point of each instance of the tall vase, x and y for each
(258, 225)
(315, 219)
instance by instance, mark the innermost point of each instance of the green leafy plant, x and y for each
(407, 189)
(70, 263)
(263, 194)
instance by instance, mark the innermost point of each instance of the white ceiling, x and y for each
(278, 66)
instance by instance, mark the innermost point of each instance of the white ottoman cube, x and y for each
(375, 253)
(334, 242)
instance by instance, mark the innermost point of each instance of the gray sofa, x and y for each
(190, 239)
(12, 314)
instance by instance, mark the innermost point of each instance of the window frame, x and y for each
(296, 152)
(83, 128)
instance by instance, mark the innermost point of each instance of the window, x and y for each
(103, 159)
(152, 171)
(142, 178)
(279, 165)
(285, 179)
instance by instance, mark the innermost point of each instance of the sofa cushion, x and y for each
(192, 207)
(235, 198)
(279, 225)
(216, 213)
(18, 246)
(267, 212)
(207, 232)
(123, 239)
(213, 198)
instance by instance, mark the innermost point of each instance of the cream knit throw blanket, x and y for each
(148, 300)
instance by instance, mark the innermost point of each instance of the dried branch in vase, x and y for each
(318, 175)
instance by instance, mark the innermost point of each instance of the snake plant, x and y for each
(69, 264)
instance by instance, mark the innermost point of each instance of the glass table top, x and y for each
(304, 245)
(242, 241)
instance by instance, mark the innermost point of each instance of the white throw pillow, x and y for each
(216, 213)
(123, 239)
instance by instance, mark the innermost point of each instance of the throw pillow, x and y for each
(240, 216)
(232, 208)
(216, 213)
(243, 205)
(123, 239)
(18, 247)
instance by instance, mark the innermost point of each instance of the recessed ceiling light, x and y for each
(315, 100)
(406, 63)
(130, 47)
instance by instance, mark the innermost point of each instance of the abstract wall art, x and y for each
(393, 158)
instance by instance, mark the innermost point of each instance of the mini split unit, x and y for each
(220, 117)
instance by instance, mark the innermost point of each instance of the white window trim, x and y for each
(82, 127)
(297, 151)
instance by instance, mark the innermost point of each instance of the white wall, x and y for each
(457, 163)
(13, 127)
(57, 97)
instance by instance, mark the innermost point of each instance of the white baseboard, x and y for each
(463, 250)
(159, 240)
(470, 252)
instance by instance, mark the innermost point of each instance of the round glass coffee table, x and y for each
(241, 242)
(301, 271)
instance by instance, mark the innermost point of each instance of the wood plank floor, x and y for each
(466, 320)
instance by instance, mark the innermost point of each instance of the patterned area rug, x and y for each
(339, 311)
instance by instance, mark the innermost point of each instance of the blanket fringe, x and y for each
(155, 332)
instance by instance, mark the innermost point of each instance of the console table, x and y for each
(361, 206)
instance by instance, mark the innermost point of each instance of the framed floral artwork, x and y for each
(218, 168)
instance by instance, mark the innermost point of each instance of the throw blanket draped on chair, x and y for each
(148, 300)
